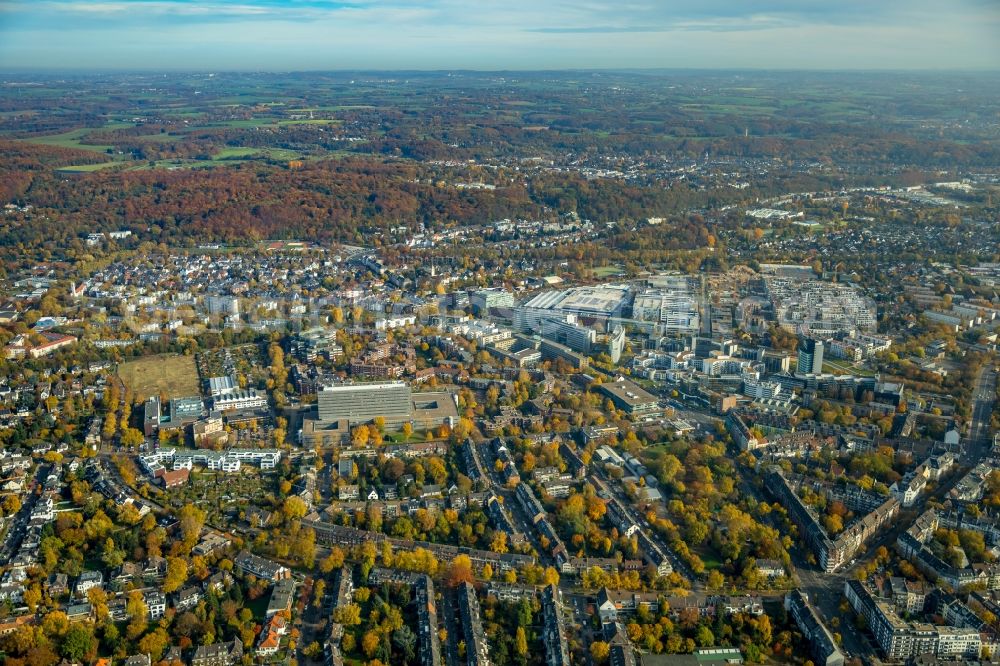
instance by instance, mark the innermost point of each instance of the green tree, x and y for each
(79, 642)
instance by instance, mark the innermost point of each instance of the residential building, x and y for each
(822, 645)
(260, 567)
(429, 641)
(219, 654)
(899, 639)
(282, 595)
(476, 647)
(554, 628)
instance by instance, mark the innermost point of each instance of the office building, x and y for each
(360, 403)
(810, 356)
(484, 299)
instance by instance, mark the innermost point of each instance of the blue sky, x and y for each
(508, 34)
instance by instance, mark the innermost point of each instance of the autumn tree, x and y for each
(600, 651)
(177, 573)
(192, 520)
(460, 571)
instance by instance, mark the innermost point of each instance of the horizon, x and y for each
(445, 35)
(463, 71)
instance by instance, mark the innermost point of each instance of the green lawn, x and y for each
(68, 140)
(709, 557)
(607, 271)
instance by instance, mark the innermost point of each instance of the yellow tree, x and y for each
(459, 571)
(177, 572)
(521, 643)
(600, 651)
(370, 643)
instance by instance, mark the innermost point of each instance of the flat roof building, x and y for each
(629, 397)
(360, 403)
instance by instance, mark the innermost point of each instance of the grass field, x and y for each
(78, 168)
(607, 271)
(68, 140)
(175, 376)
(251, 153)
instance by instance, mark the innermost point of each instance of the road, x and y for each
(448, 618)
(979, 442)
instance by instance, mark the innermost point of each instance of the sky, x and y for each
(284, 35)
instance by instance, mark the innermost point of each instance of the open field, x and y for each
(845, 368)
(82, 168)
(252, 153)
(607, 271)
(69, 139)
(174, 376)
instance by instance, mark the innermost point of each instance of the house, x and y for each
(210, 543)
(219, 654)
(87, 581)
(348, 493)
(157, 604)
(257, 517)
(270, 637)
(118, 609)
(79, 612)
(174, 655)
(172, 478)
(187, 598)
(770, 568)
(125, 574)
(57, 585)
(614, 603)
(218, 582)
(260, 567)
(268, 644)
(155, 568)
(431, 490)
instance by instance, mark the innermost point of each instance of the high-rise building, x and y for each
(360, 403)
(223, 305)
(484, 299)
(810, 356)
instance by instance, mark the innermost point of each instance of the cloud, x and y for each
(756, 22)
(312, 34)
